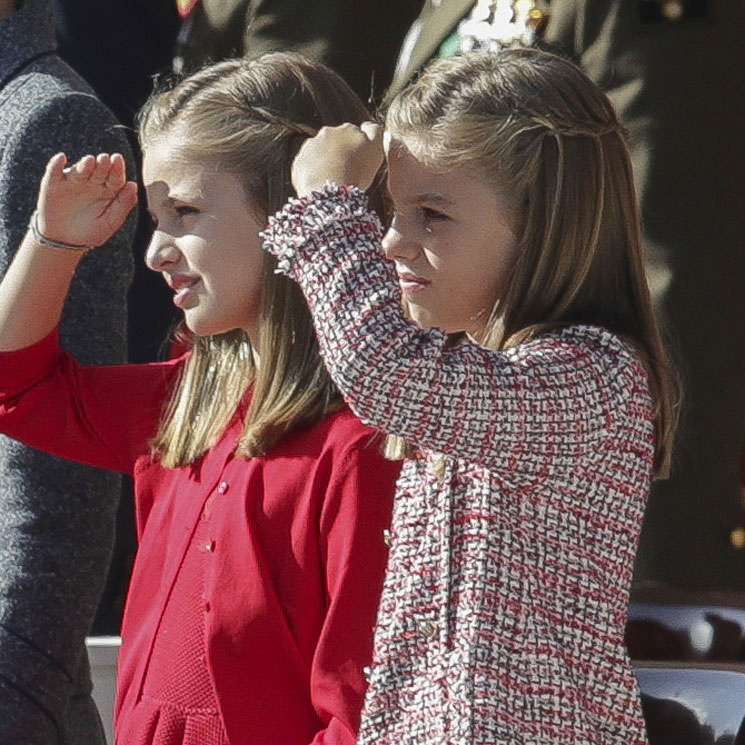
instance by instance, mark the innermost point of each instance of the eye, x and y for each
(185, 210)
(429, 214)
(429, 218)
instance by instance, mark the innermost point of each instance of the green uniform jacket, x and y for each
(359, 39)
(677, 88)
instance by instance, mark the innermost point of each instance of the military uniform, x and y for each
(668, 66)
(432, 34)
(360, 40)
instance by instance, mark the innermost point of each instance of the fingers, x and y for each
(116, 177)
(108, 170)
(127, 197)
(345, 154)
(349, 132)
(101, 168)
(82, 169)
(120, 206)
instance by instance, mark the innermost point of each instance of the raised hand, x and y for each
(85, 204)
(346, 155)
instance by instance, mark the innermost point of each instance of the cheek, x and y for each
(242, 286)
(503, 258)
(235, 266)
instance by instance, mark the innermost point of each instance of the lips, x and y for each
(410, 282)
(184, 288)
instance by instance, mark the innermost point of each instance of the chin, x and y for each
(421, 317)
(426, 321)
(205, 327)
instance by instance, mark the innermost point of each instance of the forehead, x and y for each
(411, 179)
(170, 173)
(168, 163)
(406, 169)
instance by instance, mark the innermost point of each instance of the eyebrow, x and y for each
(185, 196)
(171, 199)
(432, 198)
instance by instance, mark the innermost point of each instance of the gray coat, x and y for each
(56, 518)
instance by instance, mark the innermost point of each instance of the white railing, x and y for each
(103, 652)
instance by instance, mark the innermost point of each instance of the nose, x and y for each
(397, 246)
(161, 251)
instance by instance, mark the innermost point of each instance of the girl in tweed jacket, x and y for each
(528, 391)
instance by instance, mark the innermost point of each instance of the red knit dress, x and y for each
(251, 614)
(178, 704)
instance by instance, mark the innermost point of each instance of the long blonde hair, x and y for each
(250, 117)
(548, 140)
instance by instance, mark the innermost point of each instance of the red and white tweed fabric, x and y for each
(503, 611)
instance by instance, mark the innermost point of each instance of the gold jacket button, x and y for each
(428, 628)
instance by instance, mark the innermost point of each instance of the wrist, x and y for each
(42, 240)
(305, 190)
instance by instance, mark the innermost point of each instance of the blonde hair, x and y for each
(548, 140)
(250, 117)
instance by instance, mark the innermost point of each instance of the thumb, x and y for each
(372, 130)
(54, 170)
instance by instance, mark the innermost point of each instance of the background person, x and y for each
(666, 75)
(360, 40)
(56, 517)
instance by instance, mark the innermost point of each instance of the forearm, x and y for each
(33, 292)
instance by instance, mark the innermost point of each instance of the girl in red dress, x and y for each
(261, 501)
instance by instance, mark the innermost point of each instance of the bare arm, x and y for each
(83, 205)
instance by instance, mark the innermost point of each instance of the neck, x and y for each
(6, 8)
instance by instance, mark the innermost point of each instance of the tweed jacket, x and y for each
(56, 518)
(504, 605)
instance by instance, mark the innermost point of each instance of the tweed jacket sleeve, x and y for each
(537, 406)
